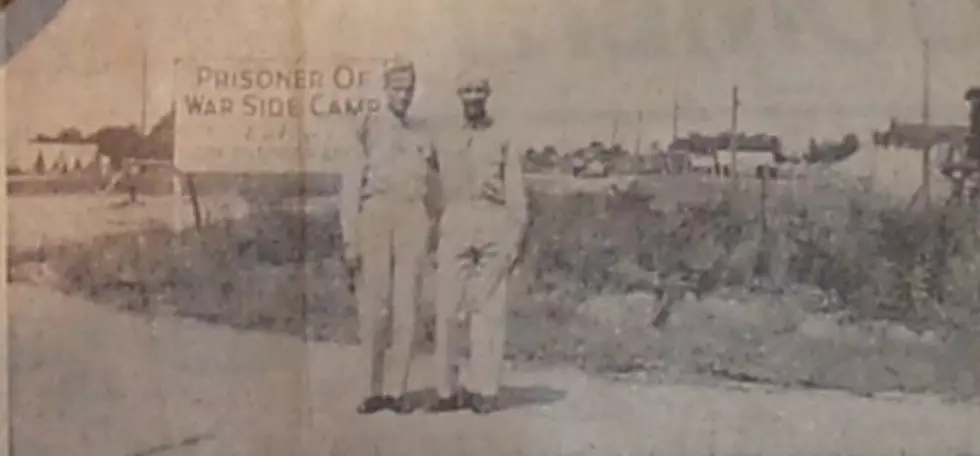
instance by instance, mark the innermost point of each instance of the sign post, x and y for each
(279, 116)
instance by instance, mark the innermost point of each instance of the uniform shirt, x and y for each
(480, 166)
(392, 161)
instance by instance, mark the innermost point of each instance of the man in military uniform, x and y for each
(386, 230)
(482, 224)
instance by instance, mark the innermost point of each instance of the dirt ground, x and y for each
(88, 380)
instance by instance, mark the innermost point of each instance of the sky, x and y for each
(575, 68)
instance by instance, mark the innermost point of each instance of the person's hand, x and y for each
(352, 265)
(352, 260)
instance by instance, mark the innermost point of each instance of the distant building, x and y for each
(712, 154)
(747, 162)
(61, 158)
(918, 136)
(704, 162)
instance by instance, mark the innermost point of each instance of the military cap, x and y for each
(472, 81)
(973, 94)
(398, 68)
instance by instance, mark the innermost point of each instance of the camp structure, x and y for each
(753, 154)
(61, 158)
(918, 135)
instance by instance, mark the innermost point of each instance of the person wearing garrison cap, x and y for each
(385, 228)
(481, 228)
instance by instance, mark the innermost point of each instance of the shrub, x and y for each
(881, 261)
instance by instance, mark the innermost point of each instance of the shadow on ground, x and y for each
(509, 397)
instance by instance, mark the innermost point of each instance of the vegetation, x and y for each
(123, 142)
(40, 167)
(868, 259)
(879, 260)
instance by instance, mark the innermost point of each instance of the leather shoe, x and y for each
(375, 404)
(482, 405)
(447, 404)
(402, 406)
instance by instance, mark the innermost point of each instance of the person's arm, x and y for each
(353, 168)
(516, 194)
(432, 153)
(433, 180)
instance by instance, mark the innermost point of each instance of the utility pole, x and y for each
(926, 82)
(615, 129)
(736, 103)
(926, 161)
(144, 88)
(674, 118)
(639, 132)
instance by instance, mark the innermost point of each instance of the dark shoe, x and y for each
(447, 404)
(375, 404)
(402, 406)
(482, 405)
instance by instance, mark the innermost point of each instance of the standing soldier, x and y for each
(482, 224)
(385, 228)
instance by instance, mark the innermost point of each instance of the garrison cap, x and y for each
(973, 94)
(399, 69)
(472, 81)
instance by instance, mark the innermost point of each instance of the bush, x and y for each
(597, 268)
(882, 262)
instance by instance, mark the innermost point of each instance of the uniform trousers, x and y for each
(473, 265)
(393, 236)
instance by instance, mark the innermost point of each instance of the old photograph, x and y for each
(492, 227)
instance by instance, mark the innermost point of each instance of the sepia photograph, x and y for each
(491, 227)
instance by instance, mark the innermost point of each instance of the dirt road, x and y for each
(86, 380)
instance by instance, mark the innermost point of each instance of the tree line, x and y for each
(120, 143)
